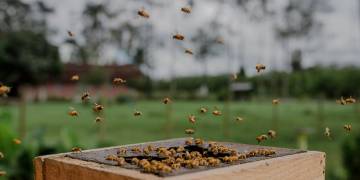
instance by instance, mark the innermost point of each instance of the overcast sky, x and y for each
(250, 42)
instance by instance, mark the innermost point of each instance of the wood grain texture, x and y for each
(307, 166)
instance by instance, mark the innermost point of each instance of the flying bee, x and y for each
(4, 90)
(75, 78)
(17, 141)
(186, 10)
(178, 36)
(271, 134)
(234, 76)
(166, 100)
(189, 131)
(85, 96)
(260, 67)
(341, 101)
(261, 138)
(239, 119)
(2, 173)
(137, 113)
(203, 110)
(73, 112)
(219, 40)
(118, 81)
(143, 13)
(199, 141)
(192, 119)
(122, 151)
(327, 132)
(216, 112)
(71, 34)
(347, 127)
(98, 108)
(189, 51)
(188, 141)
(1, 155)
(275, 101)
(98, 119)
(76, 149)
(350, 100)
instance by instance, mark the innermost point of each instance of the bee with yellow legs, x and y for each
(260, 67)
(192, 119)
(143, 13)
(98, 108)
(186, 10)
(348, 127)
(189, 51)
(75, 78)
(4, 90)
(275, 101)
(118, 81)
(189, 131)
(76, 149)
(72, 112)
(166, 100)
(178, 36)
(203, 110)
(261, 138)
(327, 133)
(137, 113)
(271, 134)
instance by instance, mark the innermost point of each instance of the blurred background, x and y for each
(310, 49)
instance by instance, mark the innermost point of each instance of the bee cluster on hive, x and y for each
(191, 154)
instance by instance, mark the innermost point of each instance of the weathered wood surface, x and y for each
(291, 165)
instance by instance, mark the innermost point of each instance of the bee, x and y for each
(122, 151)
(213, 161)
(260, 67)
(189, 51)
(234, 76)
(98, 108)
(189, 131)
(137, 113)
(271, 134)
(144, 162)
(16, 141)
(4, 90)
(135, 161)
(327, 132)
(111, 157)
(350, 100)
(261, 138)
(216, 112)
(178, 36)
(76, 149)
(242, 156)
(71, 34)
(239, 119)
(143, 13)
(118, 81)
(203, 110)
(275, 101)
(1, 155)
(2, 173)
(189, 141)
(180, 149)
(166, 100)
(192, 119)
(341, 101)
(75, 78)
(73, 112)
(136, 149)
(176, 166)
(85, 96)
(98, 119)
(186, 10)
(347, 127)
(219, 40)
(199, 141)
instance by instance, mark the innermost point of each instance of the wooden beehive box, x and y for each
(91, 164)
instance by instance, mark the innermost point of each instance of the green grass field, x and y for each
(121, 127)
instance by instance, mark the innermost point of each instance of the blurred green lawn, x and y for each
(121, 127)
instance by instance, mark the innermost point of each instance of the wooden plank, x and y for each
(309, 165)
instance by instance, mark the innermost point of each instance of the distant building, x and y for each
(62, 88)
(241, 90)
